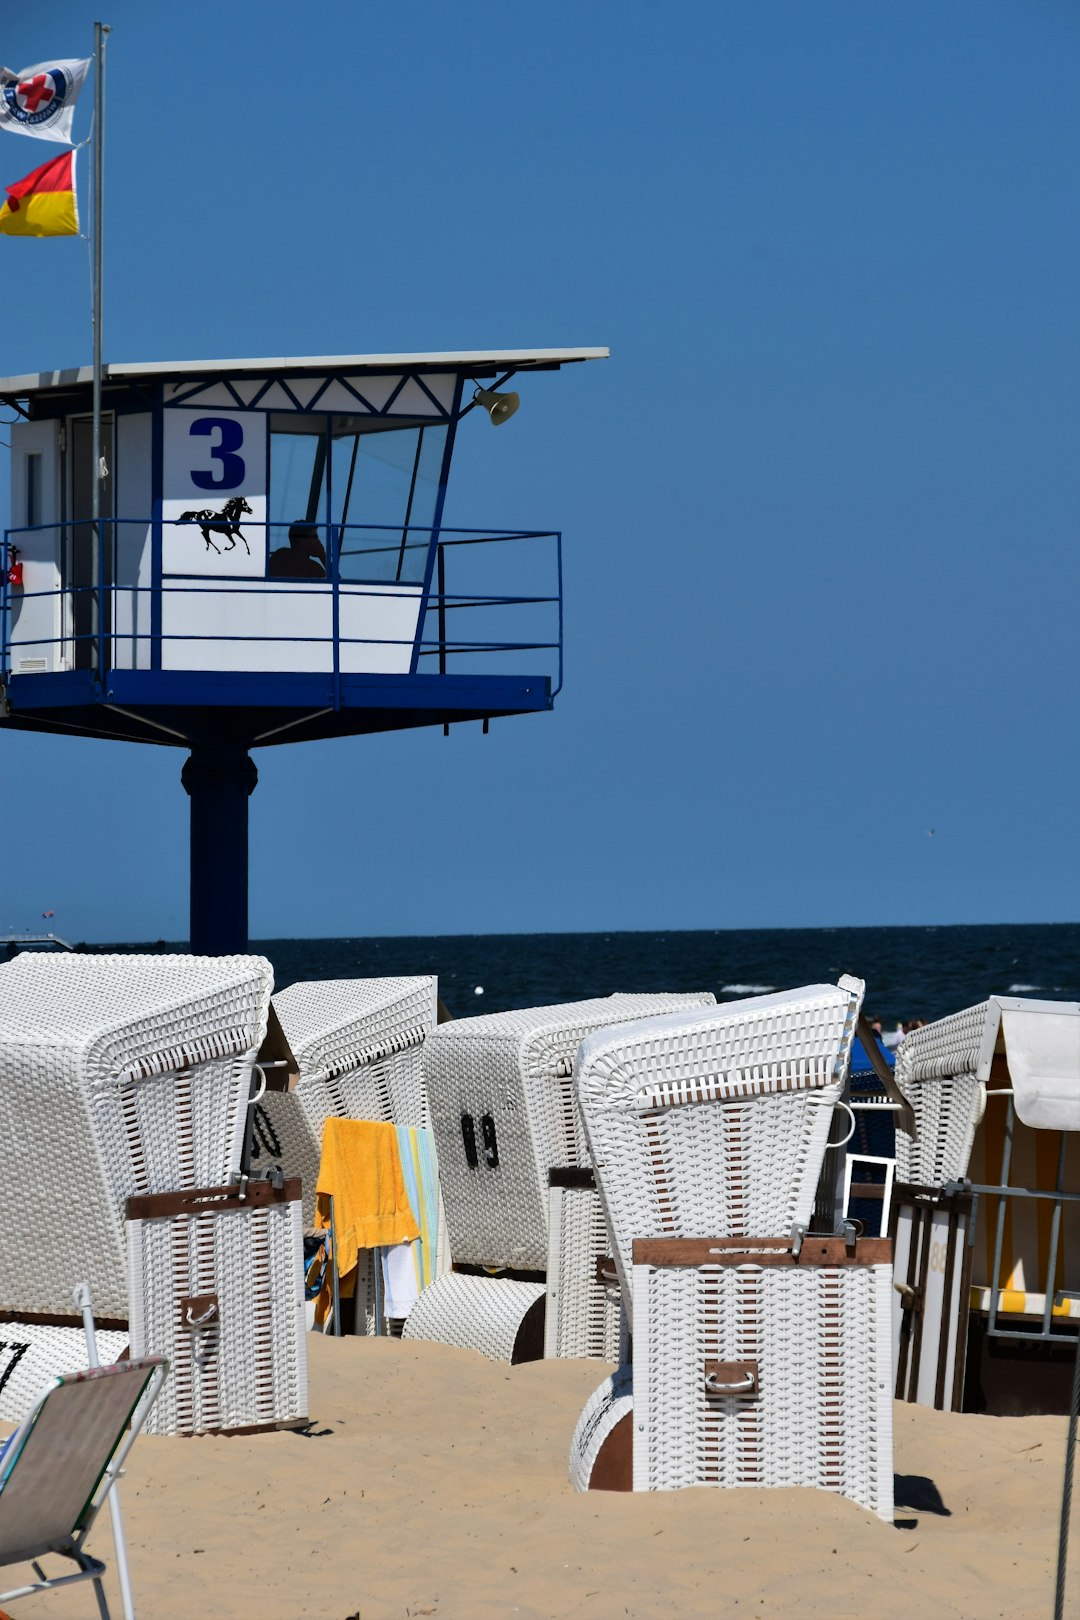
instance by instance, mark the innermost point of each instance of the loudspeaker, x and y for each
(500, 407)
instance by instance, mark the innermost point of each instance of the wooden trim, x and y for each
(926, 1234)
(466, 1268)
(571, 1175)
(815, 1251)
(276, 1049)
(964, 1303)
(903, 1353)
(613, 1465)
(905, 1116)
(529, 1339)
(106, 1324)
(199, 1311)
(910, 1193)
(246, 1428)
(211, 1200)
(944, 1334)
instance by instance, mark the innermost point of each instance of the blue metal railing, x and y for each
(106, 621)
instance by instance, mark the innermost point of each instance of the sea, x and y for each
(910, 972)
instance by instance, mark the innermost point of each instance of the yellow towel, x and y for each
(361, 1169)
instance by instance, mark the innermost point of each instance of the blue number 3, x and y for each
(230, 471)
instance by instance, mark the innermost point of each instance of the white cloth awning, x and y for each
(1042, 1047)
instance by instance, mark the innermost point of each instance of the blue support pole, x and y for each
(219, 778)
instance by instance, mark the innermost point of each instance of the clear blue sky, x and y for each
(820, 507)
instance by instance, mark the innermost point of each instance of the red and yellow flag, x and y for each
(44, 203)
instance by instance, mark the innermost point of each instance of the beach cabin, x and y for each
(986, 1215)
(270, 565)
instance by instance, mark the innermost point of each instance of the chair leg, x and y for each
(99, 1593)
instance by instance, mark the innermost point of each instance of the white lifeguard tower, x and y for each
(270, 565)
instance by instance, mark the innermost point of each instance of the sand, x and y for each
(433, 1482)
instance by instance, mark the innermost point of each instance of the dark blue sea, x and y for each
(909, 972)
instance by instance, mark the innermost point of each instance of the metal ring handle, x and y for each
(261, 1093)
(200, 1321)
(844, 1140)
(743, 1386)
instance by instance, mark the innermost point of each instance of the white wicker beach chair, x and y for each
(708, 1134)
(58, 1467)
(33, 1352)
(752, 1367)
(217, 1286)
(584, 1314)
(714, 1123)
(503, 1114)
(358, 1044)
(119, 1075)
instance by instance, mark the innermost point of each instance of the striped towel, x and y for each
(417, 1150)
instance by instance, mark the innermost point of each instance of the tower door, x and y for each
(88, 589)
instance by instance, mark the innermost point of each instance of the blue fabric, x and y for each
(860, 1063)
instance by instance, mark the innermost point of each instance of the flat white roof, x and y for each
(467, 360)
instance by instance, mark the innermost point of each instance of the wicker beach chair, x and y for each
(995, 1094)
(33, 1352)
(217, 1287)
(119, 1075)
(708, 1132)
(504, 1116)
(358, 1044)
(59, 1465)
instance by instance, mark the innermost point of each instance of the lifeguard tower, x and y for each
(270, 565)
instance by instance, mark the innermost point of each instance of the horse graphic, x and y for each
(224, 523)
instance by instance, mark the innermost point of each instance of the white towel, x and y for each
(399, 1280)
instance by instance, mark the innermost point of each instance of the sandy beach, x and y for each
(433, 1482)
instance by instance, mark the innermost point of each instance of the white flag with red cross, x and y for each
(41, 99)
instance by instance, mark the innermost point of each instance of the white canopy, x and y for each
(469, 361)
(1042, 1046)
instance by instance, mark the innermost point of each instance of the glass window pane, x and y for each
(385, 485)
(298, 468)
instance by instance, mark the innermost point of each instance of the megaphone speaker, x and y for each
(500, 407)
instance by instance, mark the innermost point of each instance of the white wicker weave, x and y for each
(32, 1353)
(606, 1407)
(715, 1123)
(247, 1368)
(513, 1069)
(821, 1413)
(584, 1317)
(119, 1075)
(358, 1044)
(474, 1313)
(936, 1071)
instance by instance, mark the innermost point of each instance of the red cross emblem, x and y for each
(35, 92)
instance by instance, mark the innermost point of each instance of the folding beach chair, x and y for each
(58, 1466)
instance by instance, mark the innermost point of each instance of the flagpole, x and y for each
(101, 30)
